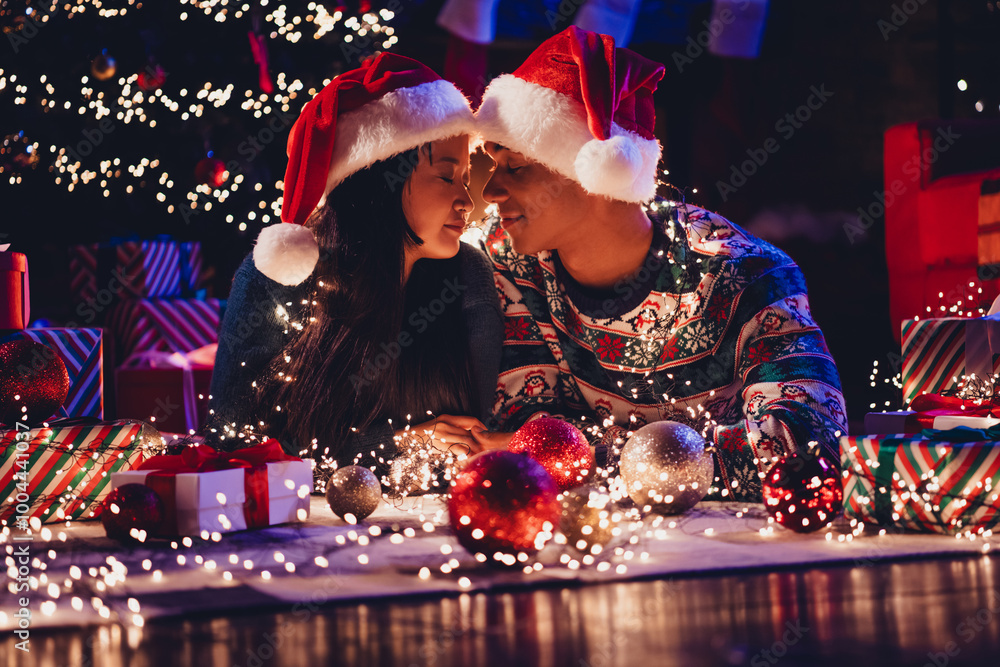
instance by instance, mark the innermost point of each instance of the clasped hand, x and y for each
(459, 435)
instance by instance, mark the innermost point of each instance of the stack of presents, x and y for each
(936, 466)
(139, 359)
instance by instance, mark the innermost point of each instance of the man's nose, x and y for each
(495, 191)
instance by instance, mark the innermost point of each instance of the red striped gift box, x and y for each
(912, 483)
(82, 352)
(65, 471)
(938, 352)
(164, 325)
(134, 269)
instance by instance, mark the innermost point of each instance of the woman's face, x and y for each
(436, 200)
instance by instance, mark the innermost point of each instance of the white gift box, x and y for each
(899, 422)
(215, 501)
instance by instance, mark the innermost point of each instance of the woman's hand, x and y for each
(492, 439)
(450, 433)
(500, 439)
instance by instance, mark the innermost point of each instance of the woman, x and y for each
(363, 308)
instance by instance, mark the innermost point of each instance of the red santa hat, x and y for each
(389, 105)
(584, 109)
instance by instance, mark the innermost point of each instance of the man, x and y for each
(619, 313)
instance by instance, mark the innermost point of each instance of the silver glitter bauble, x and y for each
(150, 441)
(588, 518)
(664, 465)
(353, 493)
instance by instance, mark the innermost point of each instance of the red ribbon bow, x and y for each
(202, 458)
(929, 406)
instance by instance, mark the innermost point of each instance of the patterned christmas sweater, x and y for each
(713, 330)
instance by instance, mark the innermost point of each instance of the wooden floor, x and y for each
(911, 613)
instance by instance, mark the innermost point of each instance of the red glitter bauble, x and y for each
(32, 375)
(559, 446)
(500, 504)
(803, 492)
(131, 506)
(211, 171)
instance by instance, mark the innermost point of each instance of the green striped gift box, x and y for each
(65, 470)
(938, 352)
(910, 482)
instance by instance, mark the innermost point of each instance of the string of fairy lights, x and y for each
(123, 101)
(286, 22)
(968, 305)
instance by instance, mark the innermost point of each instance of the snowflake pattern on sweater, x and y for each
(713, 330)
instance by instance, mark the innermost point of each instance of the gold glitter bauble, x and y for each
(664, 465)
(587, 518)
(353, 493)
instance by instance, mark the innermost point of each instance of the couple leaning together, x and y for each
(591, 299)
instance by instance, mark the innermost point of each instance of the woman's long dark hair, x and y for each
(367, 352)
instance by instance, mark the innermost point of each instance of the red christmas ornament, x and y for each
(131, 506)
(559, 446)
(211, 171)
(802, 491)
(32, 375)
(500, 504)
(151, 78)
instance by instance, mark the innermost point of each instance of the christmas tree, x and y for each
(141, 119)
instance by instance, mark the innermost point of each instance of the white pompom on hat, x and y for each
(584, 109)
(389, 105)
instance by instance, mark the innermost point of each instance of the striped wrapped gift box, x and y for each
(938, 352)
(68, 468)
(912, 483)
(134, 269)
(164, 325)
(82, 352)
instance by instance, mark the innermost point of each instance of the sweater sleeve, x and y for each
(791, 393)
(252, 332)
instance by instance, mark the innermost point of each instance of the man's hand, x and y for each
(450, 433)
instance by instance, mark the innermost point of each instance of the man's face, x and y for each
(539, 209)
